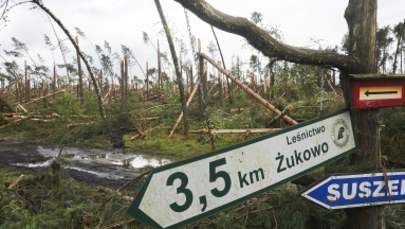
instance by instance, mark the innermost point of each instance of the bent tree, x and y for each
(7, 5)
(79, 54)
(361, 17)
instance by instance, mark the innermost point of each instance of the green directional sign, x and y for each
(185, 191)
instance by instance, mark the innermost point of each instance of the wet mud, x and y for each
(96, 166)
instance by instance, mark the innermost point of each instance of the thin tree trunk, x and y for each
(203, 79)
(126, 87)
(60, 48)
(96, 89)
(176, 66)
(100, 82)
(122, 85)
(159, 69)
(80, 73)
(147, 82)
(27, 83)
(399, 42)
(361, 16)
(54, 79)
(223, 63)
(220, 87)
(272, 78)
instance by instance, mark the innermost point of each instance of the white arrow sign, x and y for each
(185, 191)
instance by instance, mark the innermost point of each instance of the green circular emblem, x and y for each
(340, 132)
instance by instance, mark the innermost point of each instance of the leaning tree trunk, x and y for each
(176, 66)
(80, 73)
(361, 16)
(93, 78)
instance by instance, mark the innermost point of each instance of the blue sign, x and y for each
(360, 190)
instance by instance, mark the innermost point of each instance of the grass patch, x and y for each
(179, 146)
(51, 199)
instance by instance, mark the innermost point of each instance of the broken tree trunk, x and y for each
(235, 131)
(44, 97)
(250, 91)
(187, 104)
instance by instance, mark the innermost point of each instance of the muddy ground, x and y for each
(94, 167)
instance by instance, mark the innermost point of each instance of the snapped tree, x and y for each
(361, 17)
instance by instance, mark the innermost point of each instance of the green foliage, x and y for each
(66, 105)
(394, 216)
(393, 135)
(50, 199)
(90, 105)
(84, 133)
(281, 208)
(4, 106)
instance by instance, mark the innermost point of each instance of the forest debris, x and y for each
(121, 224)
(187, 104)
(72, 125)
(238, 110)
(140, 132)
(146, 131)
(235, 131)
(108, 93)
(149, 118)
(44, 97)
(287, 108)
(14, 116)
(18, 117)
(260, 99)
(15, 183)
(118, 191)
(160, 105)
(20, 107)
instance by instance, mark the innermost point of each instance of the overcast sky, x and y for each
(124, 21)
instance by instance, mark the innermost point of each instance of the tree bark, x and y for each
(176, 66)
(80, 73)
(361, 16)
(256, 96)
(263, 41)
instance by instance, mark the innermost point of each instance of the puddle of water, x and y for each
(141, 162)
(96, 173)
(114, 165)
(34, 165)
(110, 164)
(116, 158)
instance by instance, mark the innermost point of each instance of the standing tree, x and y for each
(176, 66)
(399, 32)
(383, 40)
(361, 17)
